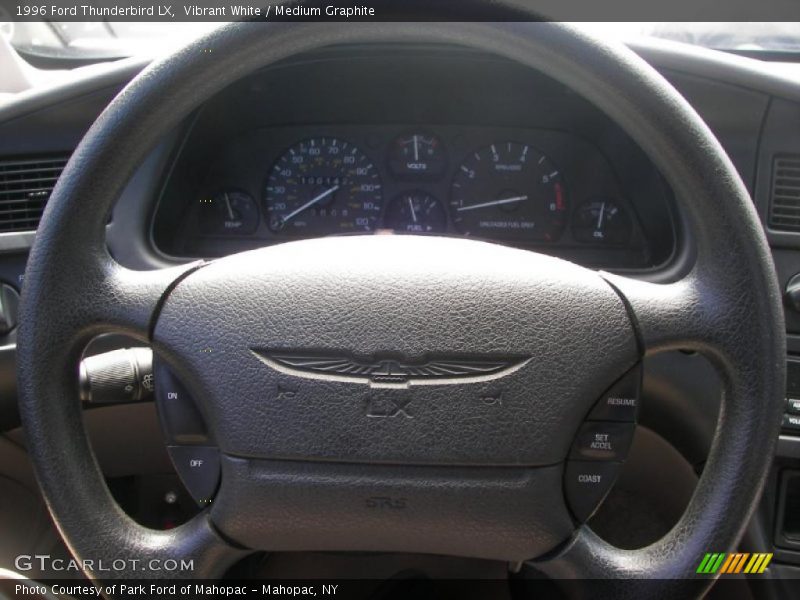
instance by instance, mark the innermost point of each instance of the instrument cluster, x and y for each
(542, 189)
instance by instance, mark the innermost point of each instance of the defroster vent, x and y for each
(25, 186)
(784, 209)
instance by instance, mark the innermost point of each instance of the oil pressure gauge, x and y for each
(603, 221)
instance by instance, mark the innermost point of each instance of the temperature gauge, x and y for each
(416, 212)
(417, 154)
(601, 221)
(230, 212)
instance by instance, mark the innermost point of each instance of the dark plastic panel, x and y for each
(735, 115)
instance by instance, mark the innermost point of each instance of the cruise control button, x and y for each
(597, 440)
(791, 423)
(621, 401)
(180, 419)
(198, 468)
(586, 485)
(793, 406)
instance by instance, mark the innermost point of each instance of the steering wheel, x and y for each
(384, 458)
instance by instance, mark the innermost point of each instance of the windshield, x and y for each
(742, 37)
(108, 40)
(100, 40)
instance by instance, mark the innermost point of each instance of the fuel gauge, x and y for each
(417, 154)
(603, 221)
(416, 212)
(230, 212)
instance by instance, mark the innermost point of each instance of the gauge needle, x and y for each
(308, 204)
(416, 152)
(411, 206)
(600, 217)
(492, 203)
(230, 210)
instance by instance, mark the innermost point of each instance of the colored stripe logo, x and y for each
(725, 563)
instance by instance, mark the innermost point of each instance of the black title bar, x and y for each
(407, 10)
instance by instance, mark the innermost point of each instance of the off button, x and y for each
(198, 468)
(586, 484)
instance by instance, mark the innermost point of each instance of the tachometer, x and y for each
(322, 186)
(509, 191)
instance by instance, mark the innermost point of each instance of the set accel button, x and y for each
(598, 440)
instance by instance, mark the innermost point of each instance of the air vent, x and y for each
(784, 211)
(25, 186)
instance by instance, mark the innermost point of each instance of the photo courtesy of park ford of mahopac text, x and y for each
(334, 262)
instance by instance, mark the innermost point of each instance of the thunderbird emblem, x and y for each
(389, 370)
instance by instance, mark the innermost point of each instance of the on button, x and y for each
(180, 419)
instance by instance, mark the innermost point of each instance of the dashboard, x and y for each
(527, 172)
(522, 187)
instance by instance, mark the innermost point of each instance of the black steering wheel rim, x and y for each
(728, 307)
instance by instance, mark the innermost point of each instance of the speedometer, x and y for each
(323, 186)
(509, 191)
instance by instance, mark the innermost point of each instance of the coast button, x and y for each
(586, 484)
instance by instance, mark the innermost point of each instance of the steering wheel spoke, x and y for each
(589, 567)
(670, 316)
(703, 313)
(193, 550)
(129, 300)
(103, 297)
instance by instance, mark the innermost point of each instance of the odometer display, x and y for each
(509, 191)
(323, 186)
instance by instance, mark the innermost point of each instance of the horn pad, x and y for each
(395, 349)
